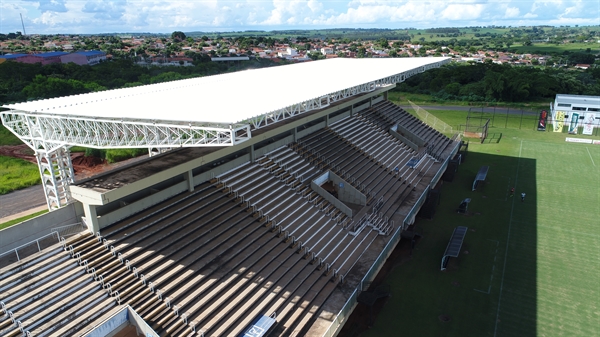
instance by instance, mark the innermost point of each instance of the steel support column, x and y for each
(56, 172)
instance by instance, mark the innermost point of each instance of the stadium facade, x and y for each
(281, 193)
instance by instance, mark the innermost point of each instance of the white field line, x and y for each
(588, 150)
(507, 241)
(493, 269)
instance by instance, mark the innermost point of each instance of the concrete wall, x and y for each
(266, 149)
(333, 200)
(338, 117)
(134, 207)
(309, 130)
(404, 140)
(377, 99)
(409, 135)
(347, 193)
(118, 321)
(361, 107)
(206, 176)
(32, 229)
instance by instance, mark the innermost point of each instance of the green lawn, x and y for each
(21, 219)
(532, 267)
(16, 174)
(548, 48)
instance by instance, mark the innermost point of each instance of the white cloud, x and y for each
(44, 6)
(98, 16)
(511, 12)
(462, 11)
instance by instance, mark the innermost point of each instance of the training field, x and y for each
(528, 268)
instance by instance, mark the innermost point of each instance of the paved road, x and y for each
(21, 201)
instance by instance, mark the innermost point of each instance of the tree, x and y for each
(178, 36)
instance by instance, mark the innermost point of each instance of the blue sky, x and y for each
(108, 16)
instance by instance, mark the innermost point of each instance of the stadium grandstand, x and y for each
(272, 197)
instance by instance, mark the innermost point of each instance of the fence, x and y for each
(509, 118)
(501, 118)
(431, 120)
(28, 249)
(68, 230)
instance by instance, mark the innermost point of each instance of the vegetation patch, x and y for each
(16, 174)
(8, 138)
(21, 219)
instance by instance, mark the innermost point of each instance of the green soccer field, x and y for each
(526, 268)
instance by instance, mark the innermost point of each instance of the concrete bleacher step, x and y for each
(201, 311)
(206, 262)
(37, 263)
(257, 298)
(53, 309)
(300, 326)
(294, 308)
(37, 259)
(75, 313)
(177, 228)
(172, 207)
(267, 269)
(249, 311)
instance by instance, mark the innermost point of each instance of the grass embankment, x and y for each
(21, 219)
(526, 268)
(17, 174)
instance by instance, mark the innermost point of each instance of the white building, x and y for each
(289, 53)
(574, 112)
(326, 50)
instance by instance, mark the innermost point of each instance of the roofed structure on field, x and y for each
(220, 110)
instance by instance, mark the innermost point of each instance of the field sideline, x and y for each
(526, 268)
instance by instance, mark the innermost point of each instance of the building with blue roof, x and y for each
(43, 58)
(90, 57)
(12, 56)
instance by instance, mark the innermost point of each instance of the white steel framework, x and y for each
(164, 116)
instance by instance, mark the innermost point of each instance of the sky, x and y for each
(131, 16)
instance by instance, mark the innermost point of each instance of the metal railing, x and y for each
(28, 249)
(68, 230)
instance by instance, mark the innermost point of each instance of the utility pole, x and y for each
(22, 24)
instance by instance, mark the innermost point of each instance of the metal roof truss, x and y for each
(57, 131)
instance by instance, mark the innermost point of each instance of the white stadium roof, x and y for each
(230, 98)
(220, 110)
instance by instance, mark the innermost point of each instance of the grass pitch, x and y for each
(528, 268)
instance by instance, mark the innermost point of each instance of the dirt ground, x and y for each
(83, 166)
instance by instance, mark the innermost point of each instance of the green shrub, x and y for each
(99, 153)
(116, 155)
(8, 138)
(16, 174)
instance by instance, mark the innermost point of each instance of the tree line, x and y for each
(490, 82)
(22, 82)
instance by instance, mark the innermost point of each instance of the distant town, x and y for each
(526, 46)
